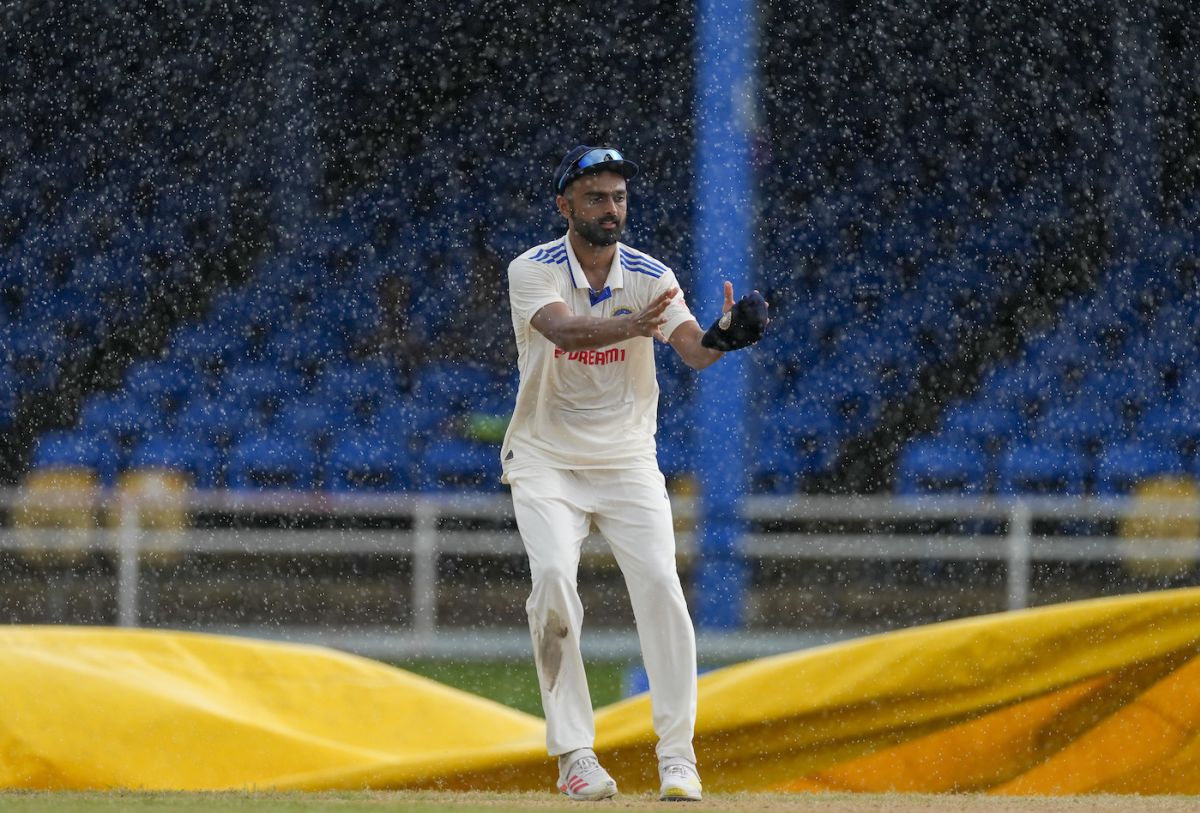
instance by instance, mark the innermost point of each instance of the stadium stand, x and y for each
(950, 311)
(945, 464)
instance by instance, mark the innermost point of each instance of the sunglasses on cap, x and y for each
(595, 158)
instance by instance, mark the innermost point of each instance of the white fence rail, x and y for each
(1007, 535)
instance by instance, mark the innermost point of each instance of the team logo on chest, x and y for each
(623, 311)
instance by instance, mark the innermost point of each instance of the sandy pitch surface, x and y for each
(825, 803)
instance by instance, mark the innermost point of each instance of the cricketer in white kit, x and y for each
(580, 450)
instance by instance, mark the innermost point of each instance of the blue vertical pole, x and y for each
(723, 231)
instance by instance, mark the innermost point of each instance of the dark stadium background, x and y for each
(263, 244)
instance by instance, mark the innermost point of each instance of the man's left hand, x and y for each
(742, 324)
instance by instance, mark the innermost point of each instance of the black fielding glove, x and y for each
(740, 327)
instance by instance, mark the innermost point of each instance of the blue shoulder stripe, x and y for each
(642, 271)
(554, 256)
(643, 268)
(645, 258)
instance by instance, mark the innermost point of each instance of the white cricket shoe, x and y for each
(680, 782)
(581, 778)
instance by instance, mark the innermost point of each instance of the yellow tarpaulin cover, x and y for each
(1096, 696)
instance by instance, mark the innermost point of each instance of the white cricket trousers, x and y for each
(554, 510)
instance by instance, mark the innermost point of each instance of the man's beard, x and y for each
(596, 235)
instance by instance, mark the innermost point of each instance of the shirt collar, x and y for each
(616, 273)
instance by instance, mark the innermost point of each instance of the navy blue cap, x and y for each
(584, 160)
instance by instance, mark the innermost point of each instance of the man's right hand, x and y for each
(569, 332)
(649, 320)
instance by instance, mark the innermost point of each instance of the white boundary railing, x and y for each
(1012, 542)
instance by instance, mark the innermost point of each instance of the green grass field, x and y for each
(514, 683)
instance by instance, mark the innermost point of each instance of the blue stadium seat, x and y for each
(674, 456)
(272, 461)
(794, 440)
(316, 420)
(360, 389)
(894, 240)
(849, 392)
(35, 353)
(409, 420)
(774, 468)
(289, 275)
(673, 441)
(813, 434)
(991, 426)
(119, 416)
(72, 308)
(255, 304)
(351, 310)
(1059, 349)
(920, 331)
(311, 345)
(1022, 385)
(208, 346)
(252, 382)
(1038, 468)
(368, 461)
(1189, 388)
(1126, 392)
(192, 454)
(1081, 426)
(166, 385)
(454, 463)
(942, 464)
(222, 419)
(77, 449)
(1120, 468)
(261, 389)
(1173, 426)
(460, 385)
(886, 355)
(1170, 341)
(1161, 350)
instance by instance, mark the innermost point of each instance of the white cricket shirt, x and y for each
(587, 408)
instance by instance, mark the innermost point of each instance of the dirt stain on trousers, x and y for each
(550, 648)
